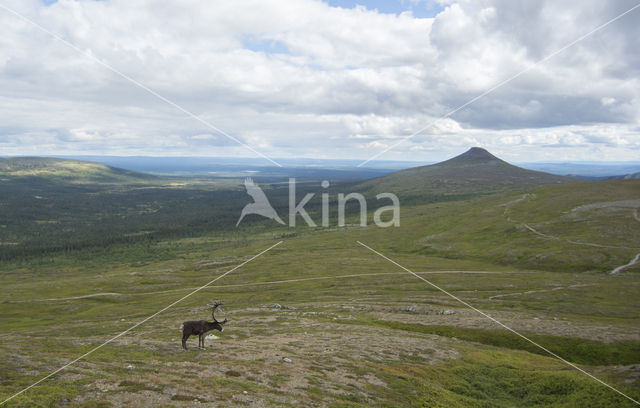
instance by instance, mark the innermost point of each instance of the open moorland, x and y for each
(319, 319)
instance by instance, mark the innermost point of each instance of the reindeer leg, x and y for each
(184, 341)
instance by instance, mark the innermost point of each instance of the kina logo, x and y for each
(260, 204)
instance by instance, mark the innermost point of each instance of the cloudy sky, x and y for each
(323, 79)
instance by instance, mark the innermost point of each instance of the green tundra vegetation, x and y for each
(88, 251)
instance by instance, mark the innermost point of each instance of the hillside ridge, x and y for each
(70, 170)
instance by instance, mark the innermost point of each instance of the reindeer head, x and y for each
(218, 325)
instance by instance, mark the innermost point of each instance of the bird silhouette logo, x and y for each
(260, 204)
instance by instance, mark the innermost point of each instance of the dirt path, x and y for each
(577, 285)
(115, 294)
(634, 260)
(530, 228)
(591, 206)
(622, 203)
(510, 203)
(620, 268)
(627, 203)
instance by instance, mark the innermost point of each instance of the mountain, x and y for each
(475, 171)
(67, 170)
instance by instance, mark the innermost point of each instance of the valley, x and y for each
(320, 320)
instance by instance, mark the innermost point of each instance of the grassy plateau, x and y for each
(318, 320)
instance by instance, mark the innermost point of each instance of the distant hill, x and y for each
(632, 176)
(49, 205)
(475, 171)
(73, 171)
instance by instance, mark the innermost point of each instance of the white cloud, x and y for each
(300, 78)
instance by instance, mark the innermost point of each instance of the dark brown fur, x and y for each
(201, 327)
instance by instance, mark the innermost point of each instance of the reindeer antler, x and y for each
(213, 311)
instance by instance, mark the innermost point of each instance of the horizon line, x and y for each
(6, 156)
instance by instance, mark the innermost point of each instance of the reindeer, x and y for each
(201, 327)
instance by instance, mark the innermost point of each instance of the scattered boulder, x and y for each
(278, 306)
(410, 309)
(286, 360)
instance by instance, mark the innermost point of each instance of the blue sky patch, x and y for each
(420, 9)
(264, 45)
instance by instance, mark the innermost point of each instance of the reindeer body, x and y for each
(201, 327)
